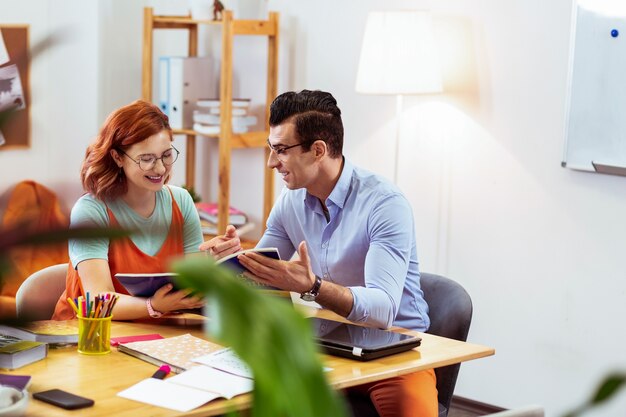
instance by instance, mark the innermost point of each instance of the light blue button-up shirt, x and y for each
(368, 245)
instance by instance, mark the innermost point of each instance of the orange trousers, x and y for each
(412, 395)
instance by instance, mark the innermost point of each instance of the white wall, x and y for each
(64, 93)
(537, 246)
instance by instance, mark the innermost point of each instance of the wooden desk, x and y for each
(102, 377)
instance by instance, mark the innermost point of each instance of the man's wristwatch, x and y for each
(312, 294)
(151, 311)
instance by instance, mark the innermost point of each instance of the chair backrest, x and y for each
(450, 312)
(37, 296)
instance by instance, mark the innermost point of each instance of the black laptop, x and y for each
(360, 343)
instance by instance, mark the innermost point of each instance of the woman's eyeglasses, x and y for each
(147, 161)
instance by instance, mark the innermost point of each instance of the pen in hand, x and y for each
(162, 372)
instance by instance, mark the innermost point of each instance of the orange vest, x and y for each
(124, 256)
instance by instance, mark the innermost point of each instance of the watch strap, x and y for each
(314, 291)
(151, 311)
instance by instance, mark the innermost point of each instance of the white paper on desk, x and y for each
(226, 360)
(163, 394)
(210, 379)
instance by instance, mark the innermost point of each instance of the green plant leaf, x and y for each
(607, 389)
(15, 237)
(274, 339)
(20, 236)
(194, 196)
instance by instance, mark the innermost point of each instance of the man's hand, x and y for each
(296, 276)
(224, 245)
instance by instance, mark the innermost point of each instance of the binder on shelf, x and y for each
(182, 80)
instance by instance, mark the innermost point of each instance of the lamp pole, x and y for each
(397, 150)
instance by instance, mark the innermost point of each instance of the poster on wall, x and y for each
(14, 91)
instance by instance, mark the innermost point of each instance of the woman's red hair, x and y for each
(126, 126)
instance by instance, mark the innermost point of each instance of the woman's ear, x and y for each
(116, 157)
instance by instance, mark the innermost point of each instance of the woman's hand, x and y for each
(165, 299)
(224, 245)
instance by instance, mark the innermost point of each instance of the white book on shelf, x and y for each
(215, 130)
(235, 111)
(214, 119)
(215, 102)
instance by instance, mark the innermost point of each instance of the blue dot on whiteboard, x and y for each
(615, 33)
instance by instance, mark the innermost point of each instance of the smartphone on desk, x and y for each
(63, 399)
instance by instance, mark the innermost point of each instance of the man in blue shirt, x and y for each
(354, 233)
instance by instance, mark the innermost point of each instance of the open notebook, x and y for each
(146, 284)
(358, 342)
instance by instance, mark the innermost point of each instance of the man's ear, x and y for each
(116, 157)
(320, 148)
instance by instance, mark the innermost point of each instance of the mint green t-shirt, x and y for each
(151, 232)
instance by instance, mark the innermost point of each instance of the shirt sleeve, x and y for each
(275, 235)
(192, 231)
(88, 211)
(390, 227)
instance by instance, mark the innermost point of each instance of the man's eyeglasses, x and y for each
(147, 161)
(280, 150)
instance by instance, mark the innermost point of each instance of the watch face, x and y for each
(307, 296)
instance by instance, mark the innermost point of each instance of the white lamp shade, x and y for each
(398, 55)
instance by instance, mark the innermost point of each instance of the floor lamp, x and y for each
(398, 56)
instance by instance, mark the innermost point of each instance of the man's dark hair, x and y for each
(315, 115)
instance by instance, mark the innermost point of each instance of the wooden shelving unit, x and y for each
(227, 139)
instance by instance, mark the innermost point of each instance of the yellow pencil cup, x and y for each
(94, 336)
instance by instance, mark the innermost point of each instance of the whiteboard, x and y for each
(596, 105)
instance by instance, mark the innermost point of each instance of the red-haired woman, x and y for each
(124, 173)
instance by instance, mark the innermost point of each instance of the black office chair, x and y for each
(450, 311)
